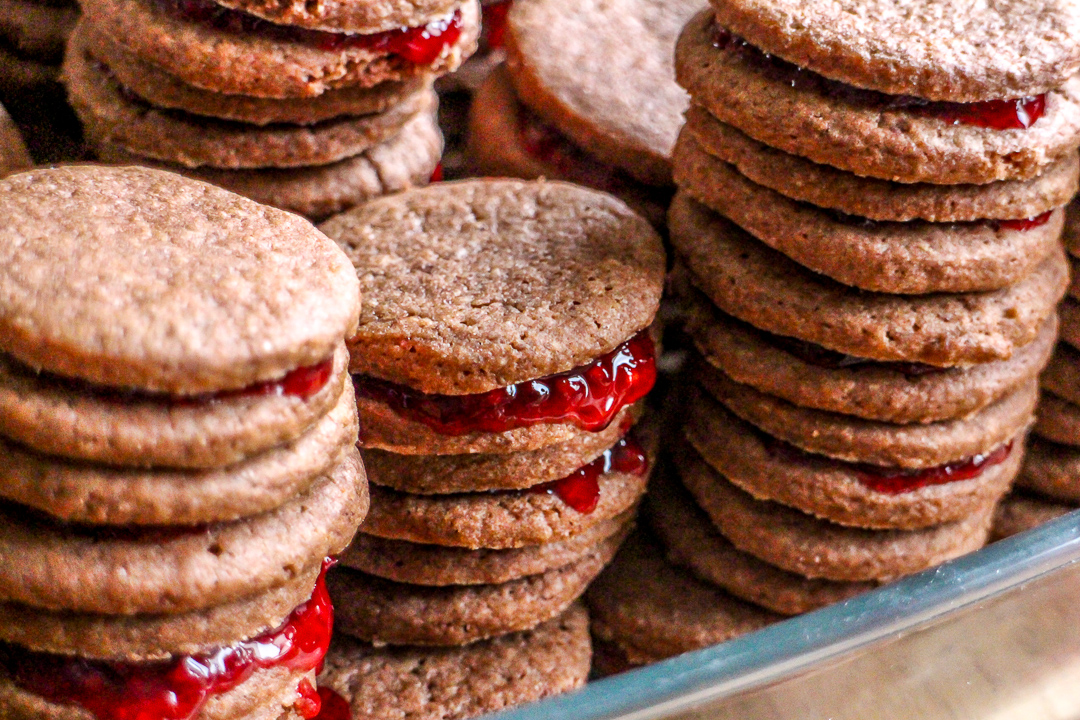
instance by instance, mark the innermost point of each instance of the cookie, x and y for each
(437, 565)
(461, 682)
(933, 50)
(404, 161)
(180, 570)
(1069, 313)
(851, 494)
(1071, 236)
(97, 494)
(266, 61)
(811, 376)
(531, 279)
(617, 100)
(652, 610)
(845, 192)
(1058, 419)
(911, 258)
(1020, 512)
(364, 18)
(238, 290)
(37, 30)
(804, 114)
(1062, 373)
(13, 154)
(382, 611)
(802, 544)
(694, 543)
(1052, 470)
(758, 285)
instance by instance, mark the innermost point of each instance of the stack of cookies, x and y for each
(1049, 482)
(32, 36)
(503, 354)
(868, 224)
(311, 108)
(178, 448)
(588, 94)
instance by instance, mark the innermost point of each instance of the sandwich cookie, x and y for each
(1021, 511)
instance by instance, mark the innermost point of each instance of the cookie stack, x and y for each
(868, 226)
(32, 36)
(502, 357)
(1049, 482)
(311, 108)
(178, 448)
(577, 101)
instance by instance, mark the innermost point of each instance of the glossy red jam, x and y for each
(1012, 114)
(1025, 223)
(177, 689)
(334, 707)
(494, 24)
(589, 396)
(581, 488)
(436, 174)
(418, 45)
(308, 702)
(895, 482)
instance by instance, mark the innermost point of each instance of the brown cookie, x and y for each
(852, 439)
(828, 187)
(652, 610)
(176, 570)
(1062, 373)
(810, 376)
(1052, 470)
(338, 16)
(1020, 512)
(931, 49)
(382, 611)
(1069, 314)
(99, 494)
(835, 491)
(480, 284)
(814, 548)
(160, 273)
(693, 542)
(1071, 236)
(1058, 419)
(260, 63)
(439, 566)
(758, 285)
(912, 258)
(37, 30)
(404, 161)
(864, 135)
(618, 100)
(13, 154)
(462, 682)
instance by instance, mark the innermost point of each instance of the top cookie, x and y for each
(133, 277)
(935, 49)
(602, 71)
(368, 17)
(474, 285)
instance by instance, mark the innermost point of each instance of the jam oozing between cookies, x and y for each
(581, 488)
(1025, 224)
(589, 396)
(334, 707)
(1010, 114)
(176, 689)
(892, 481)
(418, 45)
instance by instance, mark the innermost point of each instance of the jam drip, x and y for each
(1025, 223)
(334, 707)
(418, 45)
(1012, 114)
(176, 689)
(308, 702)
(581, 488)
(589, 396)
(436, 174)
(896, 482)
(493, 36)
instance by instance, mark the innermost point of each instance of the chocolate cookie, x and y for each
(461, 682)
(364, 18)
(760, 286)
(1020, 512)
(1058, 420)
(37, 30)
(1052, 470)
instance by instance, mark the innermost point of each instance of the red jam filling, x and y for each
(1025, 223)
(177, 689)
(1012, 114)
(895, 482)
(493, 36)
(589, 396)
(308, 702)
(418, 45)
(334, 707)
(436, 174)
(581, 488)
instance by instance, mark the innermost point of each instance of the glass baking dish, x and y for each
(995, 634)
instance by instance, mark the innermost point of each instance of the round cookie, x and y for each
(175, 570)
(437, 565)
(758, 285)
(404, 161)
(364, 18)
(1052, 470)
(912, 258)
(258, 63)
(37, 30)
(239, 291)
(13, 154)
(829, 187)
(814, 548)
(874, 391)
(461, 682)
(531, 279)
(652, 610)
(1062, 373)
(1020, 512)
(931, 49)
(618, 100)
(1058, 419)
(832, 490)
(694, 543)
(863, 134)
(382, 611)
